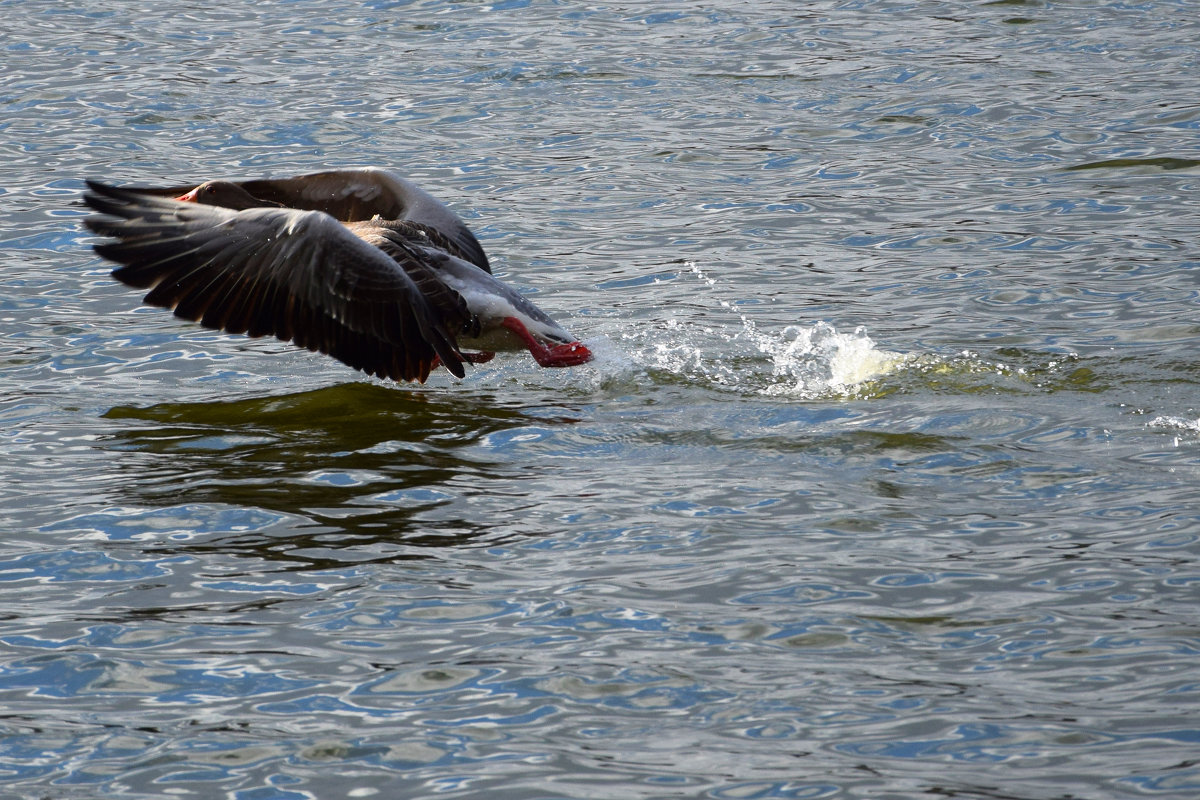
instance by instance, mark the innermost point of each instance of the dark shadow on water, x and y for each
(358, 468)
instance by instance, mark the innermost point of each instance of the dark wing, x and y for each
(357, 195)
(301, 276)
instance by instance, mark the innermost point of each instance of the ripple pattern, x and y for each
(882, 485)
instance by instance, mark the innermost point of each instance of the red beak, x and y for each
(560, 355)
(567, 355)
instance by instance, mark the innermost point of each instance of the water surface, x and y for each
(882, 484)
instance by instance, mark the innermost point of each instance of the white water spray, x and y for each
(806, 361)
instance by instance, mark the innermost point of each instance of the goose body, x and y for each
(359, 264)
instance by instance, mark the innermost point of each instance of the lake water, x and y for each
(883, 483)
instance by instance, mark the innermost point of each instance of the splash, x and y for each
(1178, 423)
(804, 361)
(818, 360)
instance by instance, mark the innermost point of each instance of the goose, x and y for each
(359, 264)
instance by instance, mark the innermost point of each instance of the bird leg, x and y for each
(471, 358)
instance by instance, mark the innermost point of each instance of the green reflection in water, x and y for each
(350, 466)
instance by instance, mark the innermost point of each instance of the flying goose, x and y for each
(359, 264)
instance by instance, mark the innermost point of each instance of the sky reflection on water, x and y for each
(882, 484)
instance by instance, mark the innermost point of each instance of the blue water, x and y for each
(883, 482)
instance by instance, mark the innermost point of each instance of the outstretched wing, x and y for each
(301, 276)
(356, 195)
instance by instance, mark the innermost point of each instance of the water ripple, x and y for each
(882, 482)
